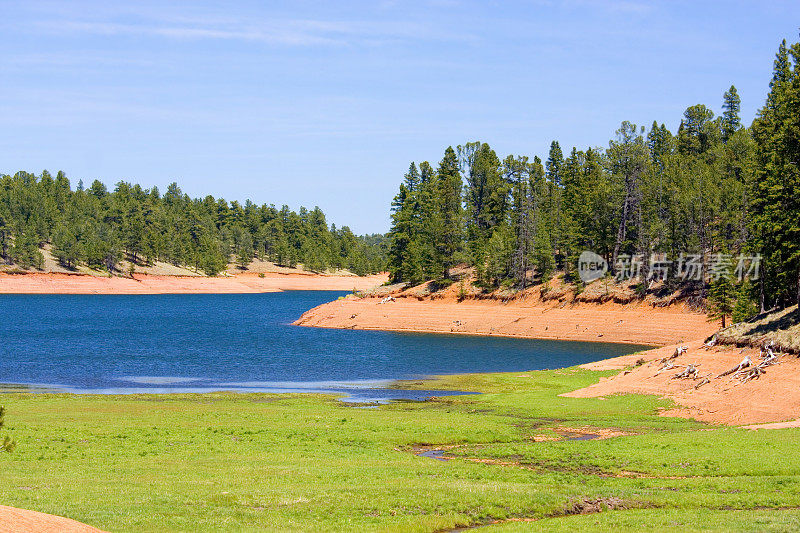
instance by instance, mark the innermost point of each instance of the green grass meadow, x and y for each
(310, 463)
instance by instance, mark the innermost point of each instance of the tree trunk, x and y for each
(798, 288)
(621, 232)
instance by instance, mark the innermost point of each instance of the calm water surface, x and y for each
(240, 342)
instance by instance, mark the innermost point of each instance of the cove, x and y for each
(106, 344)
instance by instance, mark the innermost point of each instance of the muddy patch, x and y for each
(433, 454)
(576, 506)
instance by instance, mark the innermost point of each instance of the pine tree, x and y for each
(698, 130)
(730, 122)
(425, 221)
(486, 194)
(744, 308)
(540, 220)
(412, 178)
(4, 234)
(449, 211)
(25, 251)
(66, 248)
(628, 159)
(212, 260)
(721, 299)
(499, 251)
(516, 173)
(776, 202)
(400, 236)
(243, 247)
(555, 161)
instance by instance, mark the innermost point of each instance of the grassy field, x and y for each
(305, 462)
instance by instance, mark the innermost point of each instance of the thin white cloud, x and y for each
(291, 32)
(297, 36)
(619, 6)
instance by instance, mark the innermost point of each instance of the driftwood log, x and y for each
(680, 350)
(747, 374)
(702, 382)
(746, 362)
(690, 372)
(668, 365)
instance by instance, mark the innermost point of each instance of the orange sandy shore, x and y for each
(13, 520)
(629, 323)
(54, 283)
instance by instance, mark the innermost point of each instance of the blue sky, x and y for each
(326, 103)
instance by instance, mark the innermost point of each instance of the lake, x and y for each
(241, 342)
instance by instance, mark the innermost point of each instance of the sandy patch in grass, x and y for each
(13, 520)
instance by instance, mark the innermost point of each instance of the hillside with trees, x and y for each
(714, 189)
(100, 228)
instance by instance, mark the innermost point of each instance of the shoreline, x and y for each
(772, 399)
(497, 335)
(588, 322)
(244, 283)
(767, 403)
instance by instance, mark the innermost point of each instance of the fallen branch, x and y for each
(680, 350)
(667, 366)
(702, 382)
(770, 360)
(767, 354)
(746, 362)
(710, 343)
(751, 373)
(689, 373)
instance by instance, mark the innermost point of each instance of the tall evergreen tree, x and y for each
(628, 159)
(449, 211)
(555, 161)
(730, 122)
(721, 299)
(516, 174)
(400, 236)
(776, 202)
(540, 220)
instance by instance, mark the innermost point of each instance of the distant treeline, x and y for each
(100, 228)
(714, 187)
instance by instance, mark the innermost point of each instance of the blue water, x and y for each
(240, 342)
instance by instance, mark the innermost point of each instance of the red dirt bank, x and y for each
(55, 283)
(774, 397)
(608, 322)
